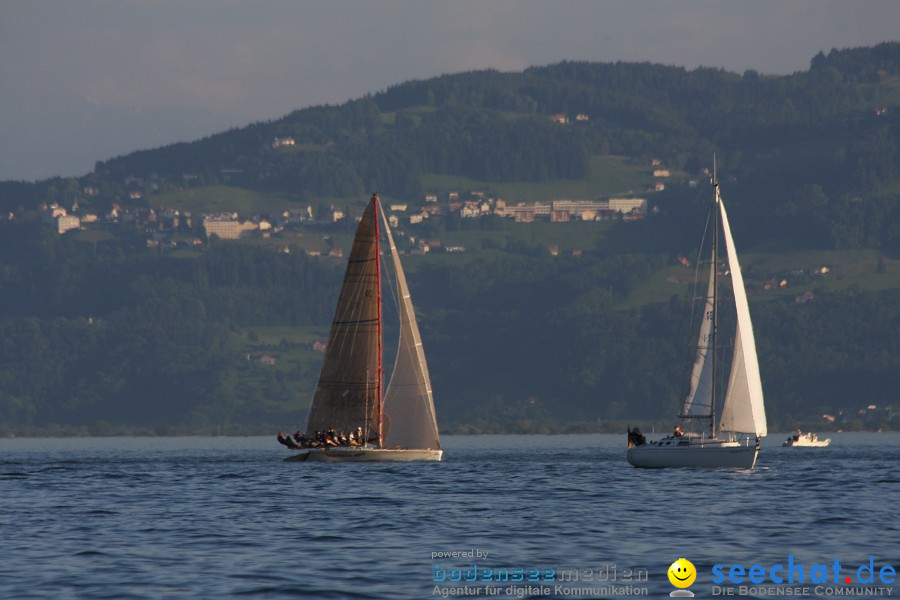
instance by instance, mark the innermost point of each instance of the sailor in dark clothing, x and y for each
(636, 438)
(286, 441)
(300, 439)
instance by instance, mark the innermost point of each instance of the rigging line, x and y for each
(696, 291)
(667, 387)
(698, 296)
(690, 300)
(356, 322)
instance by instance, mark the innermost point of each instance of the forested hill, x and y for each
(831, 129)
(139, 320)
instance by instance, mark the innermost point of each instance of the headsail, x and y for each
(743, 410)
(698, 402)
(346, 396)
(410, 420)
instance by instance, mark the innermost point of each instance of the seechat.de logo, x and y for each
(792, 572)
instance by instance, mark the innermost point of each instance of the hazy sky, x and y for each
(86, 80)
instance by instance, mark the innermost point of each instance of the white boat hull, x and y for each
(806, 442)
(722, 455)
(343, 454)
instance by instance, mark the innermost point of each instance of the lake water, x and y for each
(226, 517)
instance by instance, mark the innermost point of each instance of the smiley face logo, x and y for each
(682, 573)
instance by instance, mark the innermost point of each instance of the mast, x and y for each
(379, 394)
(715, 301)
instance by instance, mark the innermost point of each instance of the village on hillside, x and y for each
(161, 224)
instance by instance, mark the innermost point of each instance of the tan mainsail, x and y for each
(409, 420)
(347, 395)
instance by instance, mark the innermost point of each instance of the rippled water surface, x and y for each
(226, 517)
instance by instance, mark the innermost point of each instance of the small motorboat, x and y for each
(809, 440)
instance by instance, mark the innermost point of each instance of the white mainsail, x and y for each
(409, 417)
(743, 410)
(698, 402)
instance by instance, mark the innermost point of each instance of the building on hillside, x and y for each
(66, 223)
(628, 206)
(521, 212)
(470, 210)
(227, 228)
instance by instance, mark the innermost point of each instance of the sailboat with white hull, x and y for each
(734, 441)
(399, 423)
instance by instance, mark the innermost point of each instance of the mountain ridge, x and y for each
(112, 326)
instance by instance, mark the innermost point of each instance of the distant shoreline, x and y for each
(109, 431)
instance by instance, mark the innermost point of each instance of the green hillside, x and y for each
(137, 320)
(223, 198)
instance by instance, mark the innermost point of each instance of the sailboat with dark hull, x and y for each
(397, 423)
(734, 440)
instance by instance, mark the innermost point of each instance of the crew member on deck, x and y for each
(636, 437)
(678, 431)
(286, 441)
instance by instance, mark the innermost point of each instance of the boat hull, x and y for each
(342, 454)
(717, 456)
(807, 444)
